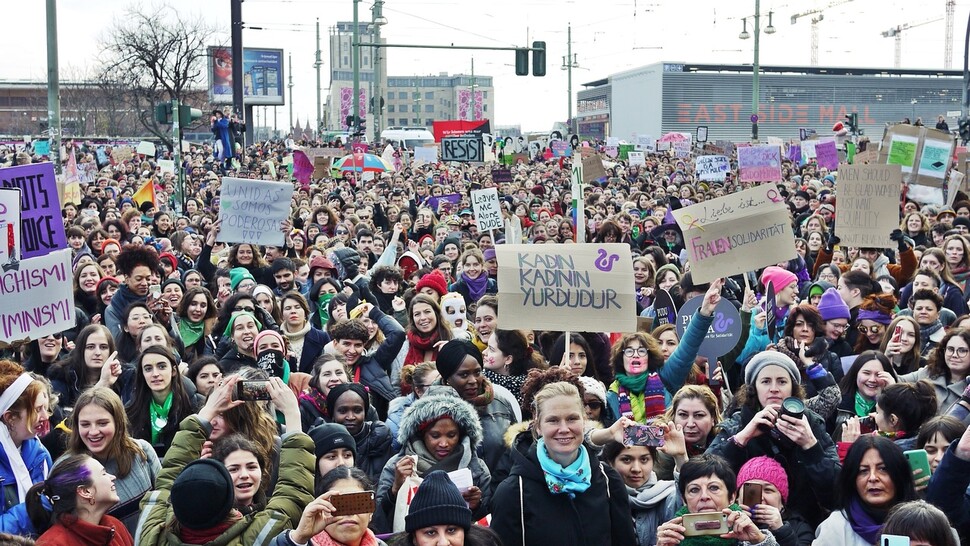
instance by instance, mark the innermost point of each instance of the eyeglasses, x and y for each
(342, 232)
(631, 352)
(840, 327)
(959, 351)
(874, 330)
(594, 405)
(242, 309)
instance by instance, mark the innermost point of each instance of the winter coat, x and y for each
(946, 394)
(661, 501)
(313, 343)
(461, 287)
(394, 413)
(233, 361)
(599, 516)
(13, 512)
(292, 492)
(811, 472)
(373, 448)
(496, 418)
(374, 369)
(68, 386)
(901, 272)
(795, 531)
(836, 530)
(77, 532)
(948, 490)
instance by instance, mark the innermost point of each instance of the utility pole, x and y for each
(235, 14)
(417, 102)
(290, 87)
(756, 83)
(53, 88)
(355, 57)
(471, 98)
(177, 157)
(377, 96)
(316, 65)
(569, 62)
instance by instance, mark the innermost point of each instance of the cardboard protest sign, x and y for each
(827, 155)
(428, 154)
(736, 233)
(120, 154)
(934, 159)
(808, 150)
(868, 205)
(41, 227)
(592, 168)
(724, 333)
(681, 148)
(145, 148)
(444, 204)
(252, 211)
(37, 297)
(580, 288)
(759, 163)
(611, 151)
(712, 168)
(488, 212)
(462, 149)
(502, 175)
(9, 226)
(561, 148)
(953, 185)
(321, 167)
(902, 146)
(167, 165)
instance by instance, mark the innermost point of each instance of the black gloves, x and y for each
(897, 235)
(833, 240)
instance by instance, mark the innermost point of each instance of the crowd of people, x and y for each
(354, 386)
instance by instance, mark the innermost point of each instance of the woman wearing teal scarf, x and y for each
(707, 484)
(556, 493)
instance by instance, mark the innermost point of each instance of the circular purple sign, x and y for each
(724, 332)
(754, 118)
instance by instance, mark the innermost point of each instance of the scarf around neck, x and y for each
(476, 286)
(191, 332)
(640, 397)
(485, 397)
(205, 536)
(866, 523)
(572, 479)
(651, 493)
(863, 406)
(323, 539)
(159, 415)
(419, 344)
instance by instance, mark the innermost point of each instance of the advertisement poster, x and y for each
(262, 76)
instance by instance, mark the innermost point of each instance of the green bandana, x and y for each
(324, 308)
(190, 332)
(863, 406)
(159, 415)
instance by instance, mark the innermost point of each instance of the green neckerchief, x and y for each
(633, 383)
(324, 309)
(159, 415)
(863, 406)
(190, 332)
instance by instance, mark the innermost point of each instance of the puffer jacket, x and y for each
(293, 491)
(13, 512)
(394, 413)
(373, 448)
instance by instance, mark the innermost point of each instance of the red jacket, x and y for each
(110, 532)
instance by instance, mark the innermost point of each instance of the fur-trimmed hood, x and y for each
(435, 404)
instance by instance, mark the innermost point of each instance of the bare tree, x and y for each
(154, 55)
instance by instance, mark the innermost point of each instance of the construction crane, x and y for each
(897, 33)
(815, 22)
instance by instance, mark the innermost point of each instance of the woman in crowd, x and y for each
(105, 290)
(652, 500)
(579, 358)
(473, 282)
(196, 317)
(135, 318)
(956, 252)
(317, 525)
(936, 435)
(241, 329)
(922, 522)
(159, 401)
(81, 493)
(557, 492)
(267, 300)
(871, 372)
(249, 471)
(770, 512)
(707, 485)
(427, 332)
(904, 353)
(418, 379)
(439, 432)
(92, 362)
(44, 352)
(99, 429)
(205, 373)
(758, 427)
(347, 404)
(875, 314)
(507, 359)
(305, 342)
(874, 478)
(24, 410)
(694, 412)
(486, 320)
(321, 296)
(916, 227)
(948, 369)
(86, 280)
(249, 258)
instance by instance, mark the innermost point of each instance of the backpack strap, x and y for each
(521, 511)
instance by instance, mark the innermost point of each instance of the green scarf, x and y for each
(190, 332)
(159, 415)
(863, 406)
(324, 309)
(634, 386)
(710, 540)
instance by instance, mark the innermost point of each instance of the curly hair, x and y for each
(133, 256)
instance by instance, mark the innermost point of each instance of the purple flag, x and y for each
(42, 230)
(826, 155)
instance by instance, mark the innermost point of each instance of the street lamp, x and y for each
(770, 29)
(744, 31)
(756, 66)
(377, 101)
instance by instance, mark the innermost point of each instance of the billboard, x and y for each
(455, 128)
(262, 76)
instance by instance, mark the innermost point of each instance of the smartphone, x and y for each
(251, 390)
(893, 540)
(918, 459)
(155, 291)
(897, 334)
(643, 435)
(752, 494)
(705, 524)
(348, 504)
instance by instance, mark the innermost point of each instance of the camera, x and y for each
(793, 407)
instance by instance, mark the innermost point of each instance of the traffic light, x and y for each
(538, 59)
(965, 129)
(163, 113)
(187, 114)
(521, 62)
(852, 120)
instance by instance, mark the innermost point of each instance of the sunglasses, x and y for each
(875, 330)
(241, 309)
(593, 405)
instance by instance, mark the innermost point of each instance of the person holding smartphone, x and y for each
(763, 492)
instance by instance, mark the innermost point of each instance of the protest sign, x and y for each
(682, 148)
(9, 226)
(736, 233)
(808, 150)
(488, 212)
(827, 155)
(561, 148)
(795, 153)
(903, 144)
(580, 288)
(637, 158)
(663, 308)
(592, 168)
(612, 141)
(42, 147)
(462, 149)
(428, 154)
(502, 175)
(868, 206)
(167, 165)
(37, 298)
(611, 151)
(712, 168)
(759, 163)
(41, 227)
(771, 310)
(252, 211)
(646, 143)
(120, 154)
(934, 159)
(145, 148)
(625, 150)
(723, 334)
(444, 204)
(953, 185)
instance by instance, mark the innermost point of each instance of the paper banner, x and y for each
(41, 227)
(795, 153)
(167, 165)
(145, 148)
(636, 158)
(120, 154)
(428, 154)
(502, 175)
(902, 151)
(252, 211)
(868, 207)
(579, 288)
(760, 163)
(37, 298)
(561, 148)
(934, 160)
(712, 168)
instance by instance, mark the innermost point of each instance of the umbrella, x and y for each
(363, 163)
(673, 137)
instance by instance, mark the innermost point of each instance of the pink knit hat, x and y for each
(268, 333)
(778, 277)
(765, 469)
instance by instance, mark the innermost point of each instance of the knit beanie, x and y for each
(832, 307)
(452, 354)
(268, 333)
(110, 242)
(778, 277)
(170, 258)
(434, 280)
(437, 502)
(238, 275)
(665, 268)
(330, 436)
(202, 495)
(262, 289)
(594, 387)
(488, 254)
(770, 358)
(765, 469)
(342, 388)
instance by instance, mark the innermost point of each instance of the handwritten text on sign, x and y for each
(488, 213)
(712, 168)
(253, 210)
(37, 298)
(584, 288)
(868, 206)
(759, 163)
(42, 230)
(464, 149)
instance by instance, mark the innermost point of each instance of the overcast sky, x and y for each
(608, 36)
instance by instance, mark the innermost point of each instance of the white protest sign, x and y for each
(736, 233)
(9, 225)
(636, 158)
(37, 298)
(252, 211)
(428, 154)
(646, 143)
(145, 148)
(488, 213)
(168, 165)
(579, 288)
(712, 168)
(867, 210)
